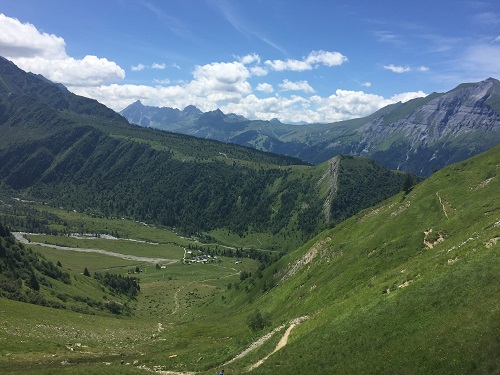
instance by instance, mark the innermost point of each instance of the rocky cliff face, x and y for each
(447, 129)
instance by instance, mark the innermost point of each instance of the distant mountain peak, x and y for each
(190, 108)
(217, 112)
(137, 103)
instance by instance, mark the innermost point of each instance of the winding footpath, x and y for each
(283, 341)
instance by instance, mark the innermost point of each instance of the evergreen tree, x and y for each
(33, 282)
(407, 184)
(256, 321)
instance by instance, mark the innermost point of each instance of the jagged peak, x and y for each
(490, 82)
(190, 108)
(491, 79)
(217, 112)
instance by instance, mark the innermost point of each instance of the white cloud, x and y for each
(295, 65)
(45, 54)
(138, 67)
(249, 59)
(342, 105)
(293, 109)
(89, 71)
(220, 78)
(405, 96)
(258, 71)
(158, 66)
(18, 40)
(264, 87)
(296, 86)
(326, 58)
(366, 84)
(345, 104)
(312, 61)
(219, 84)
(397, 69)
(497, 39)
(162, 81)
(423, 68)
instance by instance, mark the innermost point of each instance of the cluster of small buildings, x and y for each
(202, 258)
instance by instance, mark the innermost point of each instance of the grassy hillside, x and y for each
(408, 286)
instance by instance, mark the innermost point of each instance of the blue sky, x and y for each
(298, 61)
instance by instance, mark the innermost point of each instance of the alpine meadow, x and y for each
(187, 240)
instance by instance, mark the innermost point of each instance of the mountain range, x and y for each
(73, 152)
(372, 274)
(419, 136)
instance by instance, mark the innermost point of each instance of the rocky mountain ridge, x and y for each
(418, 136)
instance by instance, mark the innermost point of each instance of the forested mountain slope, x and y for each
(73, 152)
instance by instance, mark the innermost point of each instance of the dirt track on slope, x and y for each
(283, 341)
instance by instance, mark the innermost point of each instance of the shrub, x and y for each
(256, 321)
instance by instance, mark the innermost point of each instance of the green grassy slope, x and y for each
(382, 293)
(380, 300)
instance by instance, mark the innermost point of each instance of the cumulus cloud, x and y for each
(405, 96)
(296, 86)
(264, 87)
(258, 71)
(423, 68)
(158, 66)
(225, 86)
(220, 78)
(89, 71)
(45, 54)
(397, 69)
(341, 105)
(138, 67)
(219, 84)
(326, 58)
(312, 61)
(345, 104)
(295, 65)
(24, 40)
(249, 59)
